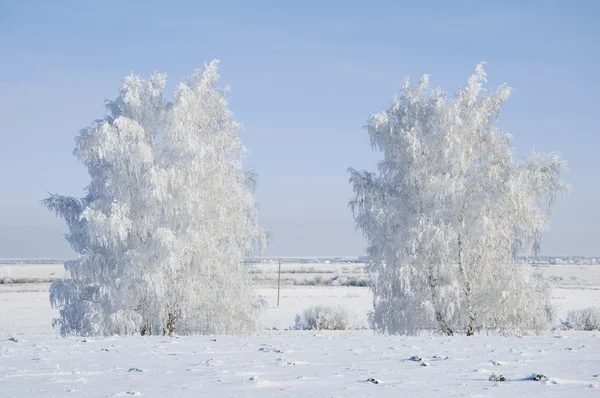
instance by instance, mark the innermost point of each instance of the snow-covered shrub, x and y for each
(585, 319)
(316, 281)
(323, 317)
(167, 219)
(319, 280)
(449, 211)
(354, 281)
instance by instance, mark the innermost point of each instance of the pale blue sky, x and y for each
(304, 78)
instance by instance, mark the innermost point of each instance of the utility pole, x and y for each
(278, 283)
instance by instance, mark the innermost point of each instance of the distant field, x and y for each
(265, 274)
(31, 273)
(25, 307)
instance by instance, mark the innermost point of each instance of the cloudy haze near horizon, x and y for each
(304, 80)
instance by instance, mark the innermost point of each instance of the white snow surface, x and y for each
(300, 364)
(285, 362)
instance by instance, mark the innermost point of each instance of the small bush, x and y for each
(322, 317)
(355, 282)
(319, 280)
(314, 281)
(586, 319)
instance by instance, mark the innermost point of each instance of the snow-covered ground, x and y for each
(284, 362)
(301, 364)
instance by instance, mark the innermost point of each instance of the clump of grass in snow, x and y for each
(496, 378)
(319, 280)
(357, 281)
(323, 317)
(587, 319)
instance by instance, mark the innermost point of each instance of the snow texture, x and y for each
(301, 365)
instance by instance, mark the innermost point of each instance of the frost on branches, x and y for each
(167, 219)
(448, 212)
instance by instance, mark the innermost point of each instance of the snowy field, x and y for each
(285, 362)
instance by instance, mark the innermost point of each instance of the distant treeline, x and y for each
(545, 259)
(33, 260)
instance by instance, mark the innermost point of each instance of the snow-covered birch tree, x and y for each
(449, 212)
(167, 219)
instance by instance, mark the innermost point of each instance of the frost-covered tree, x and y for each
(448, 212)
(167, 219)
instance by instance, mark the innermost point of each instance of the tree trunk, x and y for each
(439, 317)
(170, 326)
(443, 324)
(471, 327)
(464, 277)
(146, 330)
